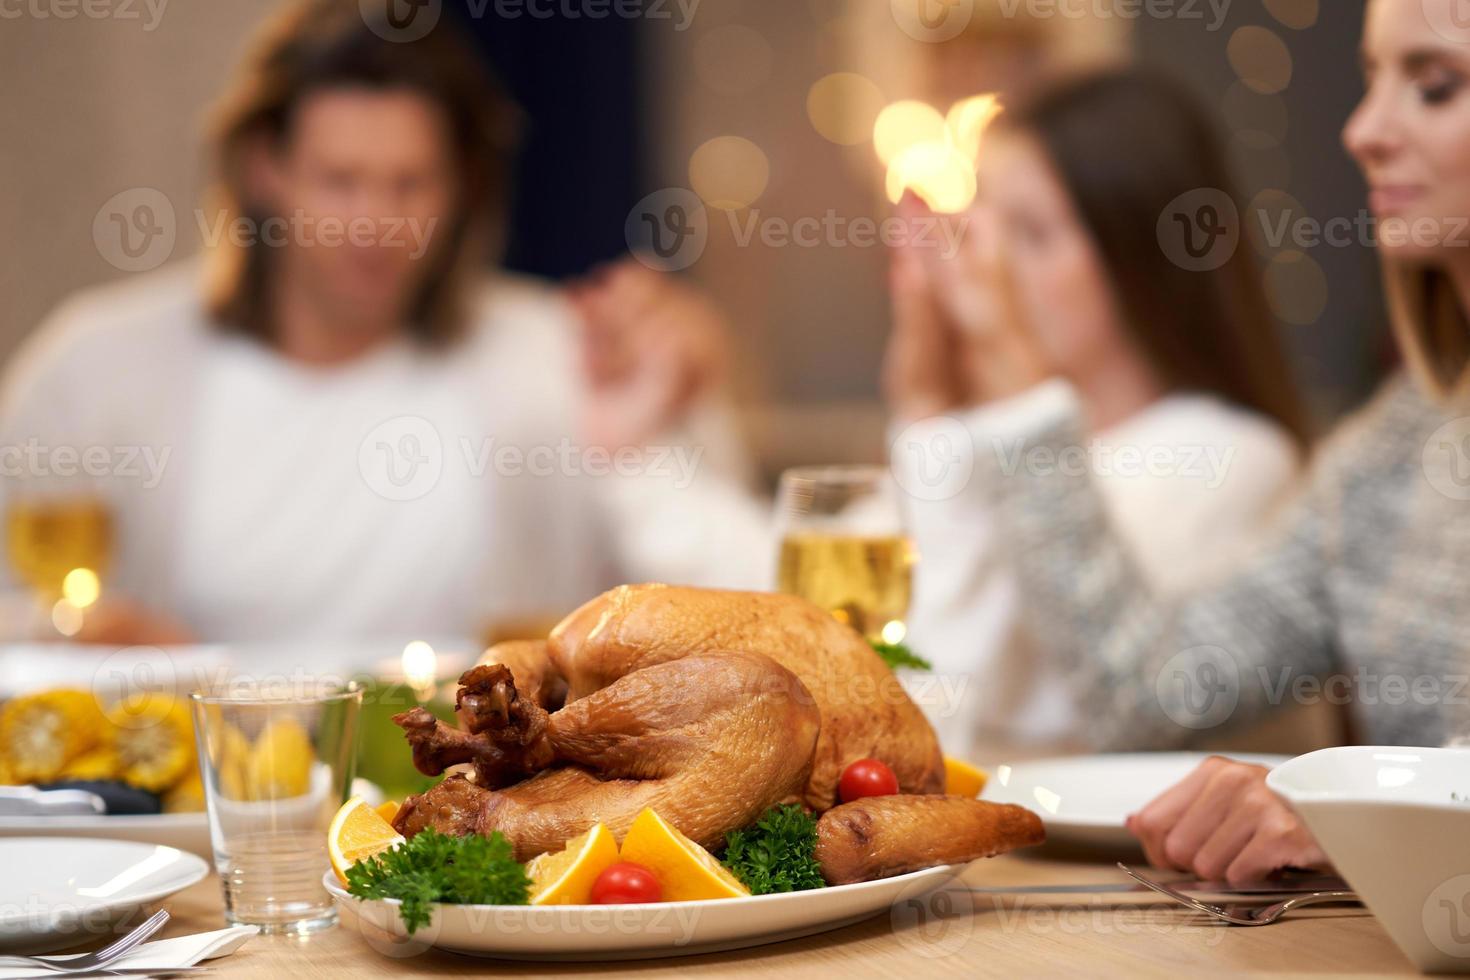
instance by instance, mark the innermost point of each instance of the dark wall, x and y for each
(576, 79)
(1343, 353)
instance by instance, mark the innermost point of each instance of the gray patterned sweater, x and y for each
(1360, 596)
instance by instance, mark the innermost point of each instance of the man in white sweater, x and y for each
(345, 437)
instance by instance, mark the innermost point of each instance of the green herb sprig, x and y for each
(433, 867)
(777, 853)
(897, 655)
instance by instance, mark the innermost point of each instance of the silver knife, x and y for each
(1290, 885)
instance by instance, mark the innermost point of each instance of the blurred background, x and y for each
(764, 109)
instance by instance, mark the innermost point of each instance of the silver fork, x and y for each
(94, 961)
(1242, 915)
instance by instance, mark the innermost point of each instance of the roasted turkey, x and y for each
(707, 706)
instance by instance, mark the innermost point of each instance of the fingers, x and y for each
(613, 302)
(905, 275)
(1215, 856)
(120, 622)
(1227, 790)
(1223, 822)
(1152, 824)
(1280, 841)
(919, 366)
(642, 328)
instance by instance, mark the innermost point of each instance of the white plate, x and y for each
(56, 891)
(186, 831)
(1085, 799)
(622, 932)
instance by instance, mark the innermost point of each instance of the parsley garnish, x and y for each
(896, 655)
(777, 854)
(433, 867)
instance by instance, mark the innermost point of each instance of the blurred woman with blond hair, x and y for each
(1359, 594)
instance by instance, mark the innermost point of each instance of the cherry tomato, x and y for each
(866, 777)
(625, 883)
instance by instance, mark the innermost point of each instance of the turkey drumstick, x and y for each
(507, 738)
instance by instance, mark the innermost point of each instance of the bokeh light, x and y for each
(81, 587)
(66, 618)
(967, 121)
(843, 107)
(942, 176)
(1261, 59)
(906, 124)
(1256, 120)
(729, 172)
(1296, 14)
(1270, 218)
(420, 665)
(1296, 286)
(733, 59)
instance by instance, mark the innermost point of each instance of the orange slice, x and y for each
(565, 877)
(388, 810)
(357, 831)
(963, 779)
(686, 871)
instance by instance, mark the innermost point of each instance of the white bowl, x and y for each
(1396, 824)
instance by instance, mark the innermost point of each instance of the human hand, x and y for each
(122, 622)
(956, 339)
(651, 347)
(1223, 823)
(921, 371)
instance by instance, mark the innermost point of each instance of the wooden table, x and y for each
(998, 935)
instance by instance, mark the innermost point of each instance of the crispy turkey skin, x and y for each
(708, 706)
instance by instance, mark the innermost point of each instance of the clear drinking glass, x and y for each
(277, 762)
(844, 546)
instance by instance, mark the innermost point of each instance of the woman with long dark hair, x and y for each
(1193, 426)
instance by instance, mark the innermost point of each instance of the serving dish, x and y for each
(1395, 822)
(619, 932)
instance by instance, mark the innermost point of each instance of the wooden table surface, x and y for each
(982, 934)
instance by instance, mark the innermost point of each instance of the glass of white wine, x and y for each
(60, 547)
(844, 546)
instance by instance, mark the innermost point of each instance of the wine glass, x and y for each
(844, 546)
(59, 545)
